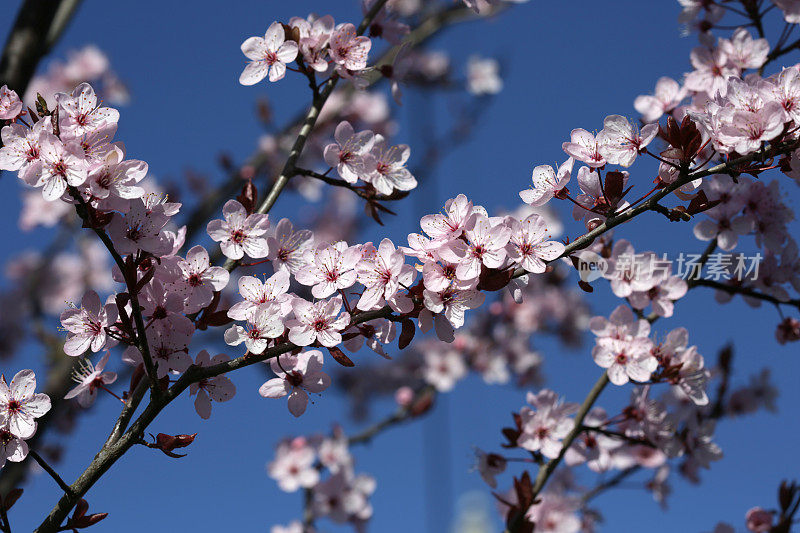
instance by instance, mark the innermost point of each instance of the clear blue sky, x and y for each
(566, 66)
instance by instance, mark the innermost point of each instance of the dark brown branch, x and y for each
(47, 468)
(38, 26)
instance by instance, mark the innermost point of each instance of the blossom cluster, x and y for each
(342, 497)
(20, 406)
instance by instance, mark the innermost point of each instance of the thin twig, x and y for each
(49, 469)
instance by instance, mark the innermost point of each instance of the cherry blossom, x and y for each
(115, 178)
(267, 55)
(486, 245)
(86, 326)
(667, 96)
(80, 113)
(620, 141)
(263, 324)
(527, 246)
(21, 150)
(444, 368)
(483, 76)
(387, 167)
(343, 497)
(199, 280)
(383, 272)
(348, 50)
(12, 448)
(547, 183)
(256, 292)
(315, 34)
(584, 147)
(62, 165)
(317, 322)
(20, 406)
(544, 427)
(330, 268)
(711, 72)
(239, 233)
(350, 154)
(459, 215)
(217, 388)
(10, 104)
(293, 466)
(453, 302)
(287, 247)
(90, 378)
(140, 229)
(296, 376)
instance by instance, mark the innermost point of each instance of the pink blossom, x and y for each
(620, 141)
(544, 427)
(317, 322)
(20, 406)
(168, 348)
(90, 378)
(383, 272)
(62, 165)
(12, 448)
(10, 104)
(287, 247)
(444, 368)
(264, 323)
(293, 466)
(453, 302)
(661, 296)
(725, 226)
(791, 10)
(486, 246)
(86, 326)
(343, 497)
(483, 76)
(711, 71)
(239, 233)
(759, 520)
(315, 34)
(256, 292)
(622, 346)
(489, 465)
(459, 215)
(21, 150)
(555, 513)
(267, 54)
(349, 50)
(584, 147)
(350, 154)
(743, 51)
(80, 113)
(199, 280)
(140, 229)
(547, 183)
(387, 167)
(116, 178)
(527, 246)
(330, 268)
(297, 375)
(668, 95)
(217, 388)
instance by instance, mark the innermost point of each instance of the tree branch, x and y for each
(38, 26)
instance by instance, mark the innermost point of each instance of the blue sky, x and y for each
(565, 66)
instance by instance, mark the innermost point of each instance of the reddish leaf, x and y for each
(11, 498)
(248, 197)
(406, 334)
(219, 318)
(340, 357)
